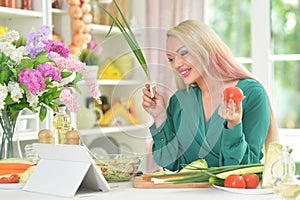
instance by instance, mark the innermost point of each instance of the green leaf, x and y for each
(4, 75)
(65, 74)
(25, 63)
(43, 112)
(41, 58)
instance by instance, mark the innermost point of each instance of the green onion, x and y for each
(200, 174)
(130, 38)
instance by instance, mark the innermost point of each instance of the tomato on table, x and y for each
(234, 93)
(235, 181)
(252, 180)
(14, 178)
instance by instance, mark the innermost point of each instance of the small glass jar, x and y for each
(31, 154)
(56, 4)
(9, 3)
(26, 4)
(106, 4)
(96, 12)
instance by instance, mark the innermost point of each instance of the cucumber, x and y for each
(216, 181)
(247, 170)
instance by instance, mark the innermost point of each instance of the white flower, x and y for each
(3, 95)
(7, 48)
(16, 92)
(10, 36)
(18, 54)
(32, 99)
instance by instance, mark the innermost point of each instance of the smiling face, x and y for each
(182, 61)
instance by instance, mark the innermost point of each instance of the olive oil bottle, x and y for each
(61, 124)
(288, 187)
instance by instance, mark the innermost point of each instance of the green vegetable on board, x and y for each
(248, 170)
(203, 174)
(216, 181)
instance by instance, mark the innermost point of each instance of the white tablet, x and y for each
(63, 169)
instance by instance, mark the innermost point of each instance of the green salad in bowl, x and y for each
(119, 167)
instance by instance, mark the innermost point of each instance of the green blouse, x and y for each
(185, 137)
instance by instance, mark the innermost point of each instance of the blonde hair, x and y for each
(218, 61)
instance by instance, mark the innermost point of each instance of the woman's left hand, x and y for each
(231, 112)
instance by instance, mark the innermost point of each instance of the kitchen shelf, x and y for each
(119, 82)
(14, 13)
(103, 29)
(110, 129)
(59, 11)
(116, 82)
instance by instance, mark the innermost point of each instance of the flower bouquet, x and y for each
(37, 76)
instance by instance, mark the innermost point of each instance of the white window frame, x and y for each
(262, 65)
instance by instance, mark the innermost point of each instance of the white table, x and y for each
(124, 190)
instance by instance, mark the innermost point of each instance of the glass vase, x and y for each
(8, 123)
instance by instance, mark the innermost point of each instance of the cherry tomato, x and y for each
(234, 93)
(235, 181)
(14, 178)
(252, 180)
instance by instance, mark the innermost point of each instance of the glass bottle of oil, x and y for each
(61, 124)
(288, 187)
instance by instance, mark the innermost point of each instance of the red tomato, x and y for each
(14, 178)
(234, 93)
(252, 180)
(235, 181)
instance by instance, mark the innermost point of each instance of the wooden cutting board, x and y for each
(139, 183)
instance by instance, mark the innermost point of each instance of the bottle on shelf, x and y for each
(26, 4)
(9, 3)
(61, 124)
(95, 11)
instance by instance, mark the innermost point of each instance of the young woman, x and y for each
(198, 123)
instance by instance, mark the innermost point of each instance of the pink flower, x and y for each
(71, 64)
(70, 98)
(32, 79)
(93, 88)
(48, 70)
(56, 46)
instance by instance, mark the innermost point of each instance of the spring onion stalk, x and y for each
(130, 38)
(202, 174)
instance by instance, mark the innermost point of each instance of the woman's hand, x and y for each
(154, 104)
(231, 112)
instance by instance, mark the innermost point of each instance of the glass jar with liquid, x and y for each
(288, 186)
(61, 124)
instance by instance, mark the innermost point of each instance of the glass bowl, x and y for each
(119, 167)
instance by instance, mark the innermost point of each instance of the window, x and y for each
(265, 36)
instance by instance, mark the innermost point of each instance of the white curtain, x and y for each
(160, 16)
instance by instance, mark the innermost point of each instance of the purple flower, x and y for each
(48, 70)
(33, 80)
(35, 40)
(56, 46)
